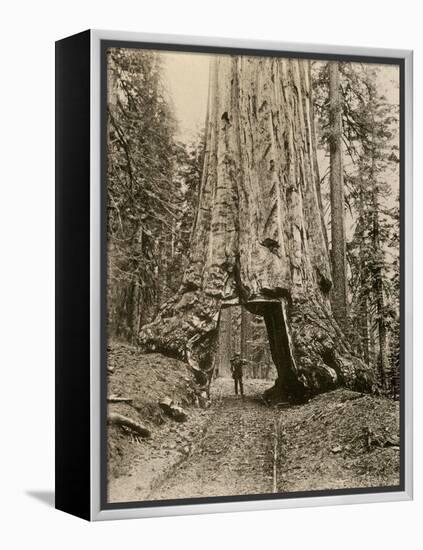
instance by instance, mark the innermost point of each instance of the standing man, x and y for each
(236, 369)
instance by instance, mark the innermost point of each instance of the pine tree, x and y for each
(337, 201)
(369, 135)
(144, 198)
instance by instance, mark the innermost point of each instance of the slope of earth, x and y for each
(338, 440)
(145, 379)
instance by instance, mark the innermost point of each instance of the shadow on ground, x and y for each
(46, 497)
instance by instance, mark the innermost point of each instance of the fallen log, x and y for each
(116, 399)
(124, 421)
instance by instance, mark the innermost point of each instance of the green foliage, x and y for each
(150, 178)
(370, 137)
(188, 176)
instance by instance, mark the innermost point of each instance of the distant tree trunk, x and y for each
(364, 328)
(363, 305)
(112, 83)
(244, 332)
(224, 344)
(227, 335)
(380, 301)
(137, 297)
(258, 238)
(338, 256)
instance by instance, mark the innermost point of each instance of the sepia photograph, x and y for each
(253, 286)
(210, 322)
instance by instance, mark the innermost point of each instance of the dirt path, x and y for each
(235, 455)
(228, 449)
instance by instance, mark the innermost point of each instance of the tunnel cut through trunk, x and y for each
(274, 314)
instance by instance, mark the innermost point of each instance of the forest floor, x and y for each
(241, 446)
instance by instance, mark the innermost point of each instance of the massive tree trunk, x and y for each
(339, 291)
(258, 238)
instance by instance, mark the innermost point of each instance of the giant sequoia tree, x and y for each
(258, 237)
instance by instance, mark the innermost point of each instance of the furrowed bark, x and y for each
(258, 238)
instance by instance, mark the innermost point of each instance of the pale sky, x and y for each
(186, 77)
